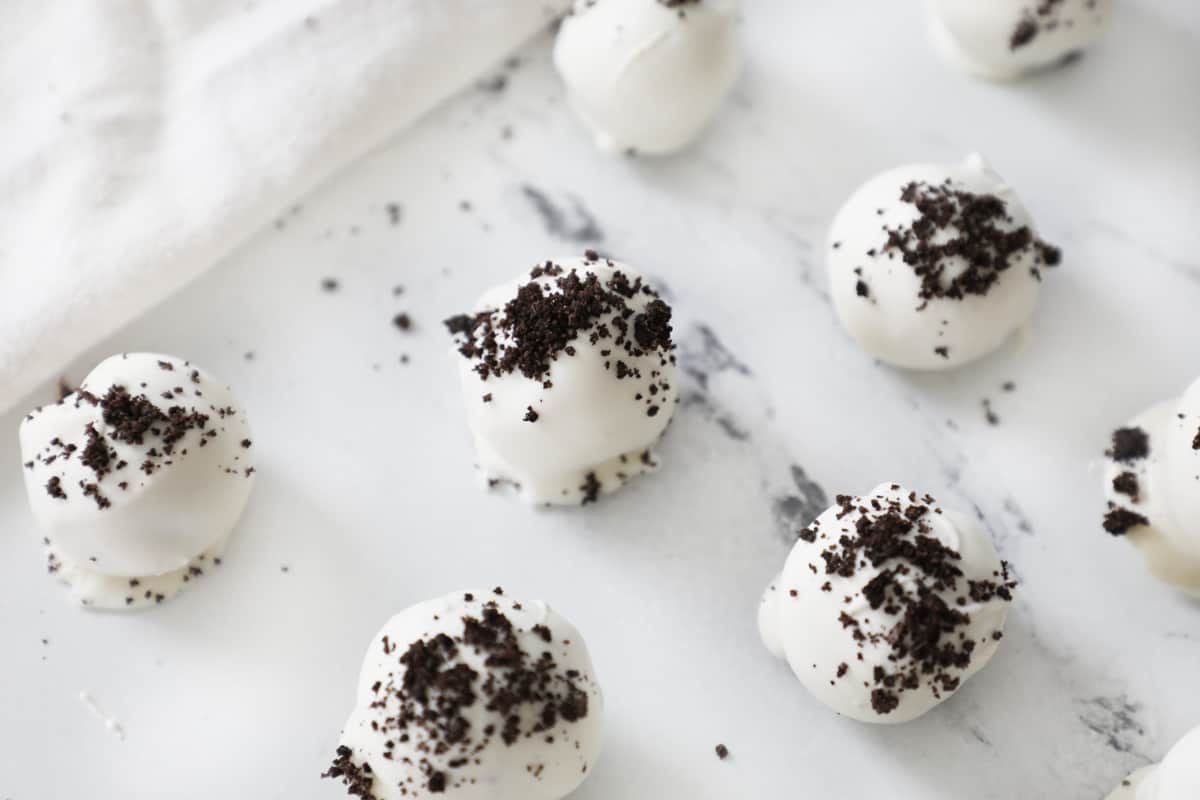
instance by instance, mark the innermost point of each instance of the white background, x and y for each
(366, 493)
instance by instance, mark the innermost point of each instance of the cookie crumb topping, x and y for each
(918, 585)
(422, 701)
(957, 224)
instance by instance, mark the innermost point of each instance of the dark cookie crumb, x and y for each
(1119, 521)
(989, 413)
(883, 701)
(358, 779)
(591, 489)
(1127, 484)
(54, 488)
(1129, 445)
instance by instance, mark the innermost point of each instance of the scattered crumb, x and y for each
(989, 413)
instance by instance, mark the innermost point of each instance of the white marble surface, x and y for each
(367, 501)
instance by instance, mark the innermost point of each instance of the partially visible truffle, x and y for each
(1152, 484)
(1007, 39)
(647, 76)
(472, 696)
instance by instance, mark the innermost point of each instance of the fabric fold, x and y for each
(144, 140)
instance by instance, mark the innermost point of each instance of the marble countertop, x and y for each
(367, 501)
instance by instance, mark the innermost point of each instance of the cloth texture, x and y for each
(144, 140)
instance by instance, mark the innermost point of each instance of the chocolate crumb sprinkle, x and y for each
(1127, 484)
(1129, 445)
(54, 488)
(1119, 521)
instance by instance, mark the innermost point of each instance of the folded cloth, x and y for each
(143, 140)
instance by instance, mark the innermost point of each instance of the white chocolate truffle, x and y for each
(473, 696)
(137, 478)
(1176, 778)
(569, 379)
(1006, 39)
(1152, 481)
(932, 265)
(648, 75)
(887, 604)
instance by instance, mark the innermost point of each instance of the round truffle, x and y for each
(648, 75)
(473, 696)
(1176, 778)
(887, 604)
(933, 266)
(569, 379)
(1152, 482)
(1006, 39)
(137, 478)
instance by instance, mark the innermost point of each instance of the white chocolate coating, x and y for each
(1168, 490)
(876, 295)
(1176, 778)
(158, 512)
(647, 77)
(547, 765)
(815, 619)
(1007, 39)
(589, 423)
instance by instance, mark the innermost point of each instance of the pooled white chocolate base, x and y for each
(563, 488)
(95, 590)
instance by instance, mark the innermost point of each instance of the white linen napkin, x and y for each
(142, 140)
